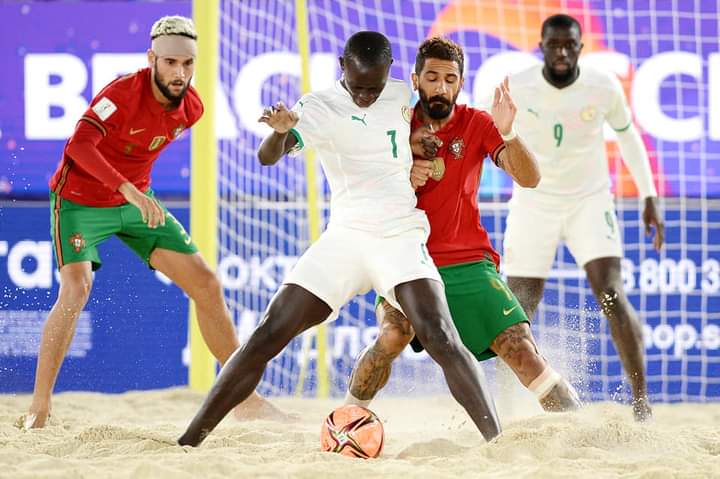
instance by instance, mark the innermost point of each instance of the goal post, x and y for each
(204, 178)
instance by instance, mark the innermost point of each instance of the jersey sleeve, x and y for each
(491, 141)
(619, 116)
(311, 128)
(105, 112)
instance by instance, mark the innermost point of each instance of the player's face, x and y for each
(438, 86)
(172, 75)
(364, 83)
(561, 49)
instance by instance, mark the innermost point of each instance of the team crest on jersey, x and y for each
(588, 113)
(457, 148)
(77, 242)
(156, 142)
(177, 131)
(406, 113)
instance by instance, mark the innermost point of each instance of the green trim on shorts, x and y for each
(77, 231)
(481, 304)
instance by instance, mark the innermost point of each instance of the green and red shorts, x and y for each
(77, 231)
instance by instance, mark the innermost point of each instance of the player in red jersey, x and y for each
(102, 188)
(446, 172)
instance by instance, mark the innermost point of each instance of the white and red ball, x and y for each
(352, 431)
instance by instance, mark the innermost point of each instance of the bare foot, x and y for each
(34, 419)
(257, 407)
(641, 409)
(561, 398)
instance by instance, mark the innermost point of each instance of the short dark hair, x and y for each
(368, 48)
(441, 49)
(559, 21)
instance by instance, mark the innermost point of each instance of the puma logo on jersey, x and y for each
(135, 131)
(506, 312)
(361, 120)
(530, 110)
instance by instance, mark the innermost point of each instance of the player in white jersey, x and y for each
(376, 237)
(561, 115)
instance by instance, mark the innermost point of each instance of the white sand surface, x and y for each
(132, 436)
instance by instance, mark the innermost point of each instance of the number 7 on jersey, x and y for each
(391, 134)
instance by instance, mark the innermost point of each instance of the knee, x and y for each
(610, 298)
(441, 341)
(75, 290)
(207, 285)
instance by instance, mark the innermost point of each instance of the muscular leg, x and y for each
(292, 311)
(423, 301)
(605, 278)
(528, 291)
(517, 348)
(75, 285)
(372, 369)
(192, 275)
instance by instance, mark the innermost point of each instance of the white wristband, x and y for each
(510, 136)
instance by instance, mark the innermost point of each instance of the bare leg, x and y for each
(528, 291)
(423, 301)
(372, 369)
(292, 311)
(192, 275)
(75, 285)
(605, 277)
(517, 348)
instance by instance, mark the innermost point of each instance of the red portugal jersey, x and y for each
(456, 234)
(117, 140)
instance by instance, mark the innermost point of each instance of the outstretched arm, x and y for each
(515, 158)
(280, 142)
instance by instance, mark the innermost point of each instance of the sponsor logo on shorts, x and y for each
(77, 242)
(507, 311)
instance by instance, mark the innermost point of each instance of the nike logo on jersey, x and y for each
(361, 120)
(134, 131)
(508, 311)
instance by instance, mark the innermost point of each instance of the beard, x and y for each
(175, 99)
(437, 107)
(560, 77)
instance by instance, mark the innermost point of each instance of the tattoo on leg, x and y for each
(371, 372)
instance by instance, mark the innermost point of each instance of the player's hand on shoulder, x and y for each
(420, 172)
(279, 118)
(424, 143)
(151, 211)
(503, 108)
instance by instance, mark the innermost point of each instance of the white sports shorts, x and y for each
(534, 229)
(345, 262)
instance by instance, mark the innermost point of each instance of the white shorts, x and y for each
(588, 226)
(345, 262)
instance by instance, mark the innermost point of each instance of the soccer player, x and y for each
(564, 109)
(102, 188)
(487, 315)
(360, 129)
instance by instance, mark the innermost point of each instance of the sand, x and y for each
(132, 435)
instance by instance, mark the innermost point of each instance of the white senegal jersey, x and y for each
(365, 153)
(564, 129)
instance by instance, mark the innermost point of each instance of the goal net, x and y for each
(665, 53)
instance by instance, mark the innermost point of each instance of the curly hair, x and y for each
(441, 49)
(173, 25)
